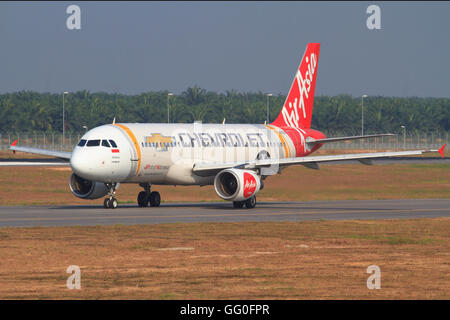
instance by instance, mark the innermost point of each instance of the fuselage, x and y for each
(166, 153)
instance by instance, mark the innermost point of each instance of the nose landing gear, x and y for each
(146, 197)
(111, 202)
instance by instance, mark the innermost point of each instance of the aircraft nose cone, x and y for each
(80, 164)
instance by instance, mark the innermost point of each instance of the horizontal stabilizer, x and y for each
(326, 140)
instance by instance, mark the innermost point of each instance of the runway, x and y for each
(130, 214)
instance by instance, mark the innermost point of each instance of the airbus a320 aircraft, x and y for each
(235, 158)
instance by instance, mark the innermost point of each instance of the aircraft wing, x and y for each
(206, 169)
(53, 153)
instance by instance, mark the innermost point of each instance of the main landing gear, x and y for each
(146, 197)
(111, 202)
(250, 203)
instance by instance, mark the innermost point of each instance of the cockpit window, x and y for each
(93, 143)
(114, 145)
(82, 143)
(105, 143)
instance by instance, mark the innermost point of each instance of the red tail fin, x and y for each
(298, 107)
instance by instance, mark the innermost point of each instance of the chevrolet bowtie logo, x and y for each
(160, 142)
(158, 138)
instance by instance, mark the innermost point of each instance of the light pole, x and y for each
(85, 127)
(404, 137)
(362, 113)
(64, 93)
(168, 110)
(268, 95)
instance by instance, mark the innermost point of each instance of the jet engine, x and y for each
(236, 184)
(86, 189)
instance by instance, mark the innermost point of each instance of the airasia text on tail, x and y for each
(297, 109)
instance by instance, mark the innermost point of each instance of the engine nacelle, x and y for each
(236, 184)
(86, 189)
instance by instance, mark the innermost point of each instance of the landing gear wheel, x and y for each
(142, 199)
(155, 199)
(250, 203)
(238, 204)
(110, 203)
(113, 203)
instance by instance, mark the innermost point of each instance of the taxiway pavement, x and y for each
(130, 214)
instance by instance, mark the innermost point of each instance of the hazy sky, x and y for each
(131, 47)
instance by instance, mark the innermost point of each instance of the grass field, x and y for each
(291, 260)
(49, 185)
(286, 260)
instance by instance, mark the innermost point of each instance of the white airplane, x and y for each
(235, 158)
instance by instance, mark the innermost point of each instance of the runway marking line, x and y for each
(221, 215)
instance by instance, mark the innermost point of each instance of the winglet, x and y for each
(14, 143)
(441, 151)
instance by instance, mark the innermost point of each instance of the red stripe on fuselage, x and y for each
(115, 150)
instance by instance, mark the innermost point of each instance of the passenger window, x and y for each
(93, 143)
(114, 145)
(82, 143)
(105, 144)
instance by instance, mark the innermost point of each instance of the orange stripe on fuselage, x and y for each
(287, 151)
(135, 142)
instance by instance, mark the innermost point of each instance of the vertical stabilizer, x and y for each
(298, 107)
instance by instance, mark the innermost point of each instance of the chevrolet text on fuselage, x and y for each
(235, 158)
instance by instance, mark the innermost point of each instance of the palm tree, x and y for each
(194, 96)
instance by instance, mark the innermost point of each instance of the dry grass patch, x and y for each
(49, 185)
(289, 260)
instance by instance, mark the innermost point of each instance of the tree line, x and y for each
(28, 111)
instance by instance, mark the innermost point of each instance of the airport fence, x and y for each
(402, 141)
(427, 140)
(41, 140)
